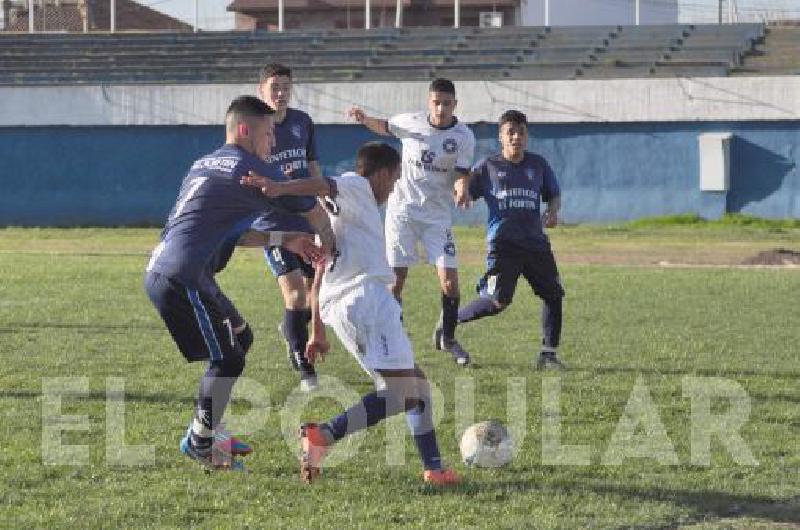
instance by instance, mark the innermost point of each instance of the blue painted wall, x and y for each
(129, 175)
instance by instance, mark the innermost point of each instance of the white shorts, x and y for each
(367, 322)
(403, 233)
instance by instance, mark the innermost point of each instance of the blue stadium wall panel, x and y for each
(113, 176)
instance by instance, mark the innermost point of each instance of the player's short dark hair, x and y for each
(374, 156)
(273, 69)
(513, 116)
(442, 85)
(245, 107)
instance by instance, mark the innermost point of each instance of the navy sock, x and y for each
(366, 413)
(551, 322)
(420, 422)
(449, 316)
(295, 324)
(478, 308)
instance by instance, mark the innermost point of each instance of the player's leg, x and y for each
(202, 331)
(495, 289)
(440, 248)
(292, 276)
(384, 351)
(542, 275)
(401, 252)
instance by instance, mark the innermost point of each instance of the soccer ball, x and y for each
(486, 444)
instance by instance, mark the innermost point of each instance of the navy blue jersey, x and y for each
(212, 209)
(513, 194)
(295, 145)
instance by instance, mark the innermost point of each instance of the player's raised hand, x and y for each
(356, 114)
(268, 187)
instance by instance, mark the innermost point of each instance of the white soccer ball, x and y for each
(487, 444)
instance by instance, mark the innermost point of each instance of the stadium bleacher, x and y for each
(387, 54)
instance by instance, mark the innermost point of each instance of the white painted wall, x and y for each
(598, 12)
(619, 100)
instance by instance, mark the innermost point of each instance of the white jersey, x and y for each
(431, 157)
(360, 244)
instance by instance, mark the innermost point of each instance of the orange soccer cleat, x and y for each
(441, 477)
(315, 446)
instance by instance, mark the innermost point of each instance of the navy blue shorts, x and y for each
(282, 261)
(198, 321)
(504, 267)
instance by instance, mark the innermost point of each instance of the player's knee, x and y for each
(294, 298)
(245, 338)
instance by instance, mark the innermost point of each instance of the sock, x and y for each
(366, 413)
(295, 323)
(551, 323)
(478, 308)
(449, 317)
(420, 423)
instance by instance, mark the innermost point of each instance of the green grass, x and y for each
(72, 305)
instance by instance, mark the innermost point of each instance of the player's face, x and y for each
(276, 92)
(441, 106)
(513, 139)
(383, 183)
(262, 136)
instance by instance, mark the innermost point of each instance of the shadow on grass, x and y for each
(19, 327)
(93, 395)
(704, 504)
(706, 372)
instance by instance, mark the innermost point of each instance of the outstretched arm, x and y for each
(376, 125)
(319, 186)
(317, 345)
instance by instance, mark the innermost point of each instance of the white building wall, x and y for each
(598, 12)
(618, 100)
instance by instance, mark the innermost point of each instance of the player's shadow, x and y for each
(16, 327)
(703, 372)
(95, 395)
(702, 503)
(756, 173)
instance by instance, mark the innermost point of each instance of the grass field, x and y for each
(72, 305)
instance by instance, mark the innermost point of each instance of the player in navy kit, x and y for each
(295, 153)
(513, 183)
(212, 210)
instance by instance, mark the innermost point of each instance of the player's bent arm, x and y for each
(551, 213)
(461, 189)
(318, 344)
(319, 220)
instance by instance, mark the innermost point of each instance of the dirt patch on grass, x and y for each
(777, 256)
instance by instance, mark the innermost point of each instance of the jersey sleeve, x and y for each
(466, 152)
(311, 144)
(477, 180)
(550, 186)
(398, 125)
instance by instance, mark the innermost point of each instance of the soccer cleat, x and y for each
(441, 477)
(212, 458)
(460, 355)
(314, 447)
(549, 359)
(225, 442)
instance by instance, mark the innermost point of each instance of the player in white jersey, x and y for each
(437, 155)
(351, 294)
